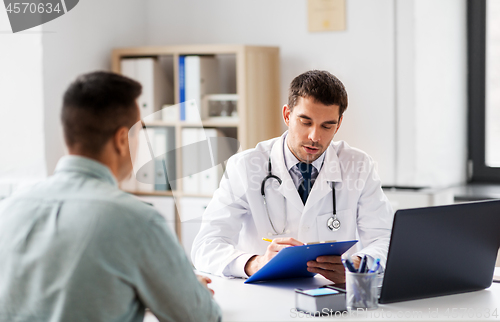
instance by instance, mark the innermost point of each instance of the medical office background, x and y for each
(404, 64)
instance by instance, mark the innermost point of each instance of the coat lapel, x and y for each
(287, 188)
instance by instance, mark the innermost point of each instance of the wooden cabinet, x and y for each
(251, 73)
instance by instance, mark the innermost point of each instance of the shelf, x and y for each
(212, 123)
(196, 195)
(231, 122)
(151, 193)
(161, 123)
(168, 194)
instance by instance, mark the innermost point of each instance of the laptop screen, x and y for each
(441, 250)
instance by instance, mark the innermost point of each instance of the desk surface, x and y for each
(275, 301)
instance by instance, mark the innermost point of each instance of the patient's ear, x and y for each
(120, 141)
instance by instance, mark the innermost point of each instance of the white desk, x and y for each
(275, 301)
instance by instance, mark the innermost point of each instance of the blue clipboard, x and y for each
(291, 262)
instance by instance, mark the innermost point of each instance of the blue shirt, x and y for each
(76, 248)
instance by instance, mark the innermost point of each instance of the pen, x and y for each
(268, 240)
(348, 264)
(375, 266)
(362, 265)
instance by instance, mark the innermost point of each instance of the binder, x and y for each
(160, 150)
(209, 179)
(182, 87)
(190, 162)
(164, 141)
(291, 262)
(156, 88)
(201, 78)
(145, 177)
(128, 68)
(171, 160)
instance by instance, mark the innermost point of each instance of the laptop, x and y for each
(441, 250)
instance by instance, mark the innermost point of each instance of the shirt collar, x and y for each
(93, 168)
(291, 160)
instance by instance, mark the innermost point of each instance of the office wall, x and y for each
(362, 56)
(402, 62)
(431, 92)
(22, 156)
(80, 42)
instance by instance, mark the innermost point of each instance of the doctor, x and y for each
(300, 187)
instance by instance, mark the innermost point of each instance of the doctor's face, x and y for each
(311, 127)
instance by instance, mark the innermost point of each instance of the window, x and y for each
(484, 89)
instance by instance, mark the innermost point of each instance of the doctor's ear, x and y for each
(340, 123)
(286, 114)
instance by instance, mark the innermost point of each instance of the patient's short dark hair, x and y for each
(320, 85)
(95, 106)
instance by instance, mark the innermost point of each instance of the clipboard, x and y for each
(291, 262)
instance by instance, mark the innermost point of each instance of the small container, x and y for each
(320, 301)
(215, 106)
(361, 290)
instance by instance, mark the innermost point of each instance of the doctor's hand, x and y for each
(258, 261)
(205, 280)
(330, 267)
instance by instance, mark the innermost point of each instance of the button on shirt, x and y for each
(76, 248)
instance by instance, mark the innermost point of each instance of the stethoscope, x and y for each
(333, 223)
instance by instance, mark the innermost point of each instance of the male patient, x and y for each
(75, 247)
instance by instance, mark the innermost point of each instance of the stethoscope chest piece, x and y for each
(333, 223)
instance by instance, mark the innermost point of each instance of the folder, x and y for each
(291, 262)
(160, 150)
(156, 88)
(144, 169)
(182, 87)
(201, 77)
(190, 161)
(210, 178)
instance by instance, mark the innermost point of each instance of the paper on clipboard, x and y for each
(291, 262)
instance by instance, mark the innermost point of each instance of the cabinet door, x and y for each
(165, 206)
(191, 208)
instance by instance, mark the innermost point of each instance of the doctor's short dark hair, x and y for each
(95, 106)
(321, 85)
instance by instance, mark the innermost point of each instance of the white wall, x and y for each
(81, 42)
(403, 63)
(22, 156)
(431, 92)
(362, 56)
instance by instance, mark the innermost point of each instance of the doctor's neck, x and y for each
(311, 151)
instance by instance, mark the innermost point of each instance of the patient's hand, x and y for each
(258, 261)
(204, 280)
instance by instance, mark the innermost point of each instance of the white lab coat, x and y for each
(235, 220)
